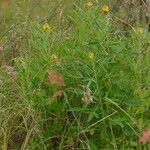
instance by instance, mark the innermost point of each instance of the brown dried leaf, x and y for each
(58, 93)
(145, 137)
(56, 78)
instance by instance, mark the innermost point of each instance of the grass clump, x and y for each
(85, 87)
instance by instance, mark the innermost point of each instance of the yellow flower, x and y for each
(90, 55)
(89, 4)
(46, 26)
(54, 57)
(105, 9)
(139, 30)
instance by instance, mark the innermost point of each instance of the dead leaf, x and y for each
(56, 78)
(58, 93)
(55, 96)
(145, 137)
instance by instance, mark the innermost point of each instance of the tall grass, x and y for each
(105, 100)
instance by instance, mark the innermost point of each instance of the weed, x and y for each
(81, 84)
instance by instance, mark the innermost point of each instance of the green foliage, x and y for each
(105, 103)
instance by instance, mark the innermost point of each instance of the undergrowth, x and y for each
(104, 102)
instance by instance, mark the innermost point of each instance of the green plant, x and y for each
(103, 102)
